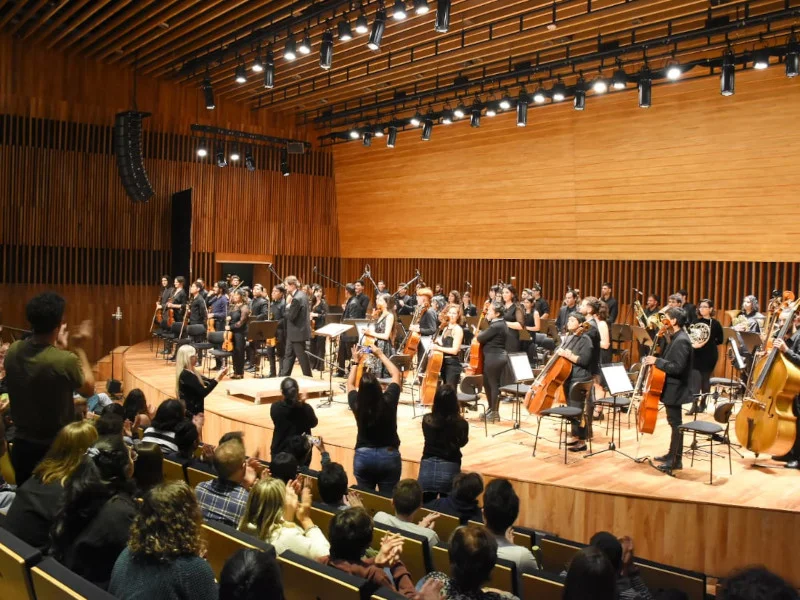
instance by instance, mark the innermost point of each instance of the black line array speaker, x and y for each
(128, 150)
(182, 235)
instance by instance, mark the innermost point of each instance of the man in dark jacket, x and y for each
(298, 328)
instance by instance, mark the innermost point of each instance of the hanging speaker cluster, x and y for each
(128, 150)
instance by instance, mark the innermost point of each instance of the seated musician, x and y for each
(578, 351)
(791, 350)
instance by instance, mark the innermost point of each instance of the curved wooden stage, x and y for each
(750, 517)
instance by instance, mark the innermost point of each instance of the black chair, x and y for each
(717, 430)
(469, 397)
(616, 404)
(735, 387)
(567, 414)
(216, 339)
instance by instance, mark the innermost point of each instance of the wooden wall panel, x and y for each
(695, 177)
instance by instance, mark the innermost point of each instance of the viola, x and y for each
(227, 337)
(654, 380)
(170, 313)
(543, 391)
(158, 315)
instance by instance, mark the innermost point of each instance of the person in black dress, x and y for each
(468, 308)
(705, 356)
(514, 316)
(192, 387)
(449, 343)
(428, 323)
(277, 309)
(163, 298)
(493, 342)
(298, 328)
(676, 362)
(319, 314)
(533, 324)
(291, 417)
(579, 350)
(381, 331)
(240, 317)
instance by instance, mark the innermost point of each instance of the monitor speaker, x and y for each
(128, 150)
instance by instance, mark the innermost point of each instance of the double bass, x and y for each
(543, 390)
(651, 381)
(475, 352)
(765, 422)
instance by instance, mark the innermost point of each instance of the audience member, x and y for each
(136, 410)
(619, 553)
(350, 535)
(224, 499)
(190, 385)
(162, 431)
(377, 460)
(407, 498)
(462, 501)
(42, 373)
(92, 527)
(445, 432)
(271, 511)
(500, 510)
(148, 470)
(109, 423)
(590, 577)
(332, 486)
(291, 417)
(756, 583)
(163, 557)
(251, 575)
(31, 515)
(187, 438)
(7, 478)
(284, 466)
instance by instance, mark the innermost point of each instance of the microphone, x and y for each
(469, 285)
(315, 268)
(638, 292)
(367, 269)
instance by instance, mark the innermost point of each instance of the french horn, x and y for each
(699, 334)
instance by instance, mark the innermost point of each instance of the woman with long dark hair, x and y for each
(533, 324)
(291, 416)
(449, 343)
(92, 527)
(240, 317)
(445, 432)
(514, 316)
(377, 459)
(162, 432)
(705, 356)
(382, 330)
(493, 342)
(318, 314)
(136, 409)
(590, 577)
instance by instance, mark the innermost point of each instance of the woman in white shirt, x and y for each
(275, 515)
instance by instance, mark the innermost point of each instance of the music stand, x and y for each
(261, 331)
(618, 384)
(548, 327)
(523, 373)
(621, 333)
(332, 331)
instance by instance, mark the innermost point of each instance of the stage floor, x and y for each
(752, 516)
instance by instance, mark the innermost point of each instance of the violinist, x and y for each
(676, 362)
(403, 300)
(176, 302)
(276, 312)
(259, 306)
(791, 351)
(381, 330)
(705, 356)
(449, 343)
(541, 305)
(235, 283)
(166, 293)
(198, 313)
(580, 355)
(467, 307)
(240, 316)
(319, 313)
(201, 285)
(217, 302)
(428, 325)
(493, 342)
(514, 317)
(570, 306)
(533, 324)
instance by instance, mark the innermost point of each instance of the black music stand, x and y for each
(618, 383)
(523, 374)
(261, 331)
(332, 331)
(621, 333)
(548, 327)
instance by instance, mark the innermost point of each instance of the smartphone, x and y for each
(313, 439)
(365, 349)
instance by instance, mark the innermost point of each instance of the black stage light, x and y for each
(249, 162)
(378, 27)
(241, 73)
(559, 91)
(399, 11)
(645, 89)
(727, 79)
(220, 157)
(619, 81)
(475, 117)
(792, 58)
(761, 59)
(367, 141)
(258, 65)
(202, 148)
(361, 23)
(391, 139)
(326, 51)
(522, 109)
(442, 23)
(269, 71)
(427, 128)
(345, 33)
(290, 50)
(421, 7)
(235, 152)
(579, 101)
(285, 163)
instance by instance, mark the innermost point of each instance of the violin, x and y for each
(654, 380)
(227, 337)
(170, 313)
(475, 352)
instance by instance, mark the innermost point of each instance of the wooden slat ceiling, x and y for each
(160, 37)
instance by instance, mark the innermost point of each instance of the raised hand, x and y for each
(391, 548)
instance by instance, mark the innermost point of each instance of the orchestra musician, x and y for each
(689, 308)
(217, 302)
(438, 293)
(382, 331)
(494, 293)
(318, 314)
(611, 303)
(495, 358)
(570, 306)
(362, 300)
(403, 300)
(589, 307)
(541, 305)
(240, 316)
(514, 317)
(652, 305)
(580, 354)
(298, 328)
(177, 303)
(467, 307)
(166, 294)
(235, 283)
(428, 323)
(277, 309)
(448, 342)
(454, 297)
(381, 288)
(259, 309)
(201, 285)
(676, 362)
(533, 324)
(754, 318)
(791, 350)
(353, 308)
(705, 356)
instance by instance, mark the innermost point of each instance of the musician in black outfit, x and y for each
(611, 302)
(705, 357)
(577, 349)
(201, 285)
(449, 343)
(791, 350)
(259, 307)
(689, 308)
(319, 314)
(403, 301)
(428, 323)
(539, 303)
(177, 302)
(240, 316)
(676, 362)
(570, 306)
(468, 308)
(362, 300)
(352, 309)
(166, 294)
(493, 341)
(514, 316)
(298, 328)
(276, 313)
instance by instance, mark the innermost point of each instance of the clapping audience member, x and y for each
(590, 577)
(187, 438)
(462, 502)
(190, 385)
(291, 417)
(136, 410)
(271, 512)
(163, 556)
(162, 431)
(92, 527)
(224, 499)
(251, 575)
(620, 554)
(445, 432)
(284, 466)
(148, 470)
(756, 583)
(407, 498)
(332, 486)
(7, 479)
(37, 501)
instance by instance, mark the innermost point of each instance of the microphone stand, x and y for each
(338, 285)
(272, 270)
(368, 274)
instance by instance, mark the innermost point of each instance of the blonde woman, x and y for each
(270, 515)
(34, 509)
(190, 385)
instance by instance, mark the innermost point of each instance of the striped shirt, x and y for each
(165, 439)
(222, 500)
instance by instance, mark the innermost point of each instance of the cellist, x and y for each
(791, 350)
(580, 354)
(676, 362)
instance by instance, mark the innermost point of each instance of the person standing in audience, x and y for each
(92, 527)
(277, 516)
(190, 385)
(590, 577)
(462, 501)
(42, 374)
(445, 432)
(224, 499)
(493, 341)
(251, 574)
(291, 416)
(34, 510)
(163, 558)
(620, 554)
(407, 498)
(500, 511)
(377, 460)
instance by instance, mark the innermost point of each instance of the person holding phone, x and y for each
(291, 417)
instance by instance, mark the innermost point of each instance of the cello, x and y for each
(765, 422)
(430, 382)
(652, 388)
(412, 339)
(475, 352)
(542, 392)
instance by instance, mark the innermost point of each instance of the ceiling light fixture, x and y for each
(442, 24)
(378, 27)
(326, 51)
